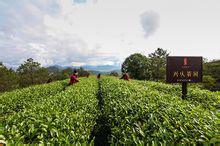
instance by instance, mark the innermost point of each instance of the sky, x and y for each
(105, 32)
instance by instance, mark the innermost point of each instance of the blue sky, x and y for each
(105, 32)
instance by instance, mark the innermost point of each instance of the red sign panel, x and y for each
(184, 69)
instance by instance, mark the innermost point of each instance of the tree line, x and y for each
(32, 73)
(153, 67)
(138, 66)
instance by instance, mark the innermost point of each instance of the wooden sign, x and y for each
(184, 69)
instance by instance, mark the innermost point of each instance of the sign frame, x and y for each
(187, 69)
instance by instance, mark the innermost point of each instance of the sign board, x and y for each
(184, 69)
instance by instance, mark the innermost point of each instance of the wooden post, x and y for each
(184, 90)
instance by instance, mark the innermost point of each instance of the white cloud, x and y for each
(78, 64)
(47, 37)
(104, 33)
(84, 1)
(150, 22)
(92, 63)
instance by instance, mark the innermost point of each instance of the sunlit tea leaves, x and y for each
(110, 111)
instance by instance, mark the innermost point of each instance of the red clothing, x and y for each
(73, 79)
(125, 77)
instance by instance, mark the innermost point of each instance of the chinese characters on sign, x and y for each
(184, 69)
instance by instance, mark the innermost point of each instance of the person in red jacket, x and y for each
(73, 78)
(125, 76)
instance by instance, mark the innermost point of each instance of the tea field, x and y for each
(109, 111)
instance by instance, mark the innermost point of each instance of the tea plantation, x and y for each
(109, 111)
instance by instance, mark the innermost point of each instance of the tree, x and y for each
(55, 73)
(212, 68)
(114, 73)
(67, 72)
(1, 65)
(158, 64)
(31, 73)
(209, 83)
(8, 79)
(82, 72)
(137, 66)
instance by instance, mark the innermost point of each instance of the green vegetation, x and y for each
(31, 73)
(8, 79)
(209, 83)
(27, 74)
(137, 66)
(107, 111)
(153, 67)
(158, 64)
(212, 68)
(65, 117)
(142, 67)
(114, 73)
(139, 113)
(21, 99)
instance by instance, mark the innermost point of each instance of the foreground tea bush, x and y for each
(196, 96)
(67, 117)
(140, 115)
(109, 111)
(20, 99)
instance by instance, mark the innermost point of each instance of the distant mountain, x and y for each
(59, 67)
(55, 68)
(118, 71)
(95, 72)
(104, 69)
(52, 69)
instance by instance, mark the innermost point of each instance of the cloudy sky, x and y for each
(105, 32)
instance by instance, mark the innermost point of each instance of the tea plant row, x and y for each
(147, 112)
(134, 112)
(66, 117)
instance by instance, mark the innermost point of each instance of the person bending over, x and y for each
(125, 76)
(73, 78)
